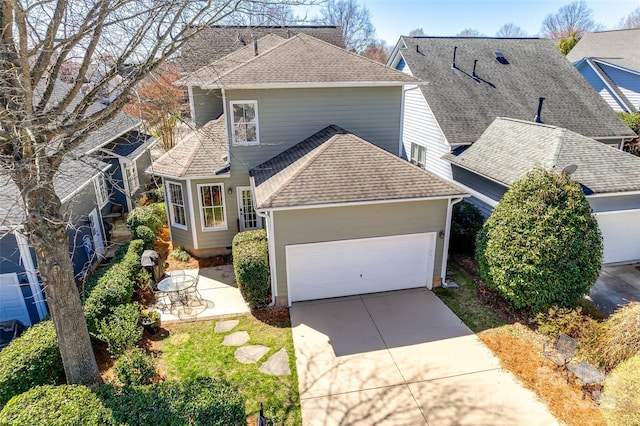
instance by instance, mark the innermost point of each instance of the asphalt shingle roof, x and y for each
(334, 166)
(132, 144)
(215, 42)
(620, 47)
(199, 154)
(464, 107)
(510, 148)
(303, 59)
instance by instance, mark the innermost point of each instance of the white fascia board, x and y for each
(621, 68)
(167, 176)
(613, 194)
(612, 92)
(395, 53)
(312, 85)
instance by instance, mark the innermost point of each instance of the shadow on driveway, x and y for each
(617, 286)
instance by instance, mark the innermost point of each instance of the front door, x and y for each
(249, 219)
(96, 232)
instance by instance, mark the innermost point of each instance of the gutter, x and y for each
(268, 216)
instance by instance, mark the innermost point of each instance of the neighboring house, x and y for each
(472, 81)
(104, 173)
(301, 137)
(610, 178)
(610, 62)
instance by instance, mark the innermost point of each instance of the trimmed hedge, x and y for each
(200, 401)
(620, 404)
(542, 245)
(120, 330)
(135, 368)
(56, 405)
(152, 216)
(251, 266)
(145, 234)
(30, 360)
(114, 286)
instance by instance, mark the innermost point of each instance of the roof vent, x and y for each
(537, 118)
(255, 46)
(453, 63)
(473, 74)
(500, 57)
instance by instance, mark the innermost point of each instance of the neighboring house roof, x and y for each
(618, 47)
(601, 72)
(215, 42)
(72, 175)
(132, 144)
(465, 106)
(202, 153)
(335, 166)
(510, 148)
(301, 60)
(110, 131)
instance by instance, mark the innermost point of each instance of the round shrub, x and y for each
(541, 246)
(120, 330)
(135, 367)
(466, 222)
(152, 216)
(30, 360)
(145, 234)
(620, 404)
(180, 254)
(56, 406)
(251, 266)
(620, 339)
(200, 401)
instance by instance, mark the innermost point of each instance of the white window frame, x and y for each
(224, 208)
(126, 168)
(417, 161)
(102, 195)
(171, 204)
(233, 123)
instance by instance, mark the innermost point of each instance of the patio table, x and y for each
(176, 287)
(587, 374)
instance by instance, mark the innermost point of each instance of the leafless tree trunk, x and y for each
(42, 120)
(576, 17)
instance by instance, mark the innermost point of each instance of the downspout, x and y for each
(226, 126)
(447, 234)
(267, 215)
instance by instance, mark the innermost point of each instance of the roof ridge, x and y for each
(195, 149)
(305, 165)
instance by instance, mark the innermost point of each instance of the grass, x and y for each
(465, 304)
(193, 350)
(519, 350)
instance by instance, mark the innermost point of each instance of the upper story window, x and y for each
(418, 155)
(212, 207)
(131, 176)
(176, 205)
(245, 123)
(102, 196)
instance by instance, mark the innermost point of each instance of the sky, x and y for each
(393, 18)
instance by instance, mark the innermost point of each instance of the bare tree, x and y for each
(40, 124)
(631, 21)
(576, 17)
(511, 30)
(357, 29)
(469, 32)
(264, 13)
(377, 51)
(416, 32)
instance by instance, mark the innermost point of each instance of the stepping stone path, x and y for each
(225, 326)
(250, 354)
(238, 338)
(277, 365)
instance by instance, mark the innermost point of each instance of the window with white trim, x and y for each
(245, 123)
(102, 196)
(131, 176)
(418, 155)
(177, 212)
(212, 207)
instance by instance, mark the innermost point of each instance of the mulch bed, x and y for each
(277, 316)
(164, 247)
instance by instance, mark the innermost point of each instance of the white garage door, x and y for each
(368, 265)
(620, 235)
(12, 305)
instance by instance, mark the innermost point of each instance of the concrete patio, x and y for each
(220, 294)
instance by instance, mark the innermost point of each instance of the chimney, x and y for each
(537, 118)
(255, 46)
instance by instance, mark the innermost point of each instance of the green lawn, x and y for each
(465, 304)
(193, 350)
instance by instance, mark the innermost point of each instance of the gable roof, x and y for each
(510, 148)
(301, 60)
(214, 42)
(618, 47)
(464, 107)
(335, 166)
(71, 176)
(601, 72)
(201, 153)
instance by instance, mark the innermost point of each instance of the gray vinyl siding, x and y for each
(180, 237)
(288, 116)
(590, 75)
(363, 221)
(420, 127)
(621, 202)
(627, 82)
(478, 183)
(207, 105)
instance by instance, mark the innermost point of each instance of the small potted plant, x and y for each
(150, 320)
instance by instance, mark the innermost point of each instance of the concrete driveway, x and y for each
(401, 358)
(617, 286)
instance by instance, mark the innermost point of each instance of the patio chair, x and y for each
(560, 351)
(159, 297)
(193, 293)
